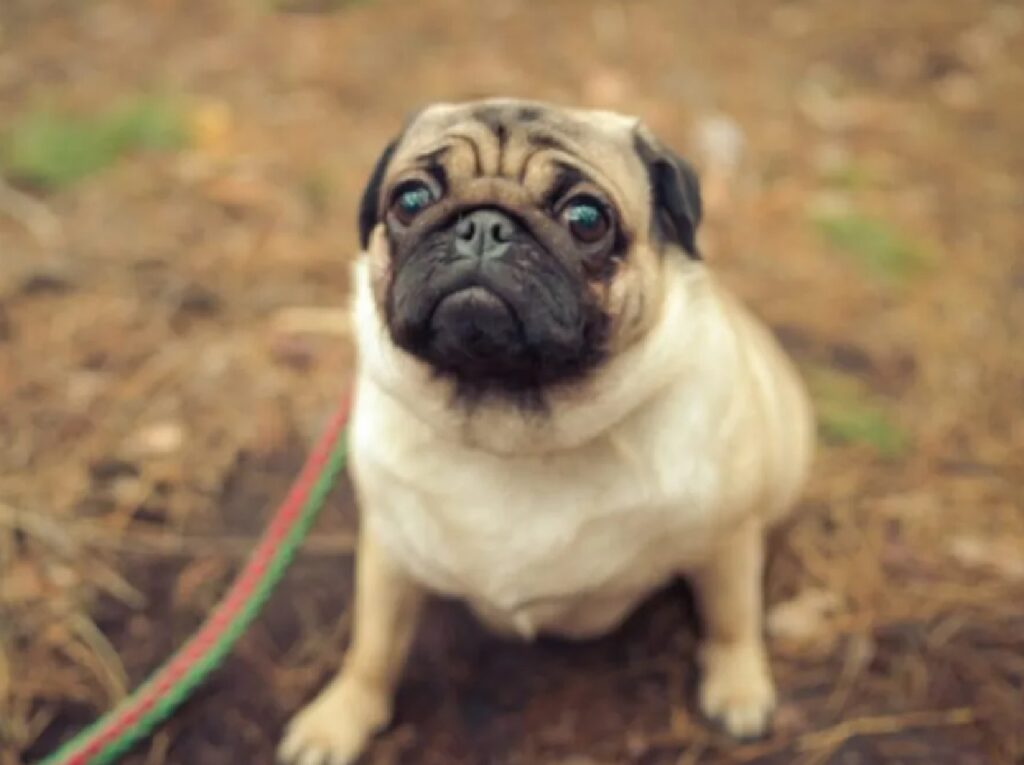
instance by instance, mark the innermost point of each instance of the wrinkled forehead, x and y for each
(503, 136)
(528, 116)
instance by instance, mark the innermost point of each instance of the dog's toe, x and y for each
(336, 728)
(736, 690)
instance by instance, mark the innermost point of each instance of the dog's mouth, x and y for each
(473, 330)
(470, 301)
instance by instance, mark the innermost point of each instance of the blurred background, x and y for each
(177, 205)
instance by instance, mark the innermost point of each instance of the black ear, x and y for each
(369, 206)
(675, 194)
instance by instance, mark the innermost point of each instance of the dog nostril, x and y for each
(484, 231)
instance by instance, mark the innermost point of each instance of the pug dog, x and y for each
(558, 408)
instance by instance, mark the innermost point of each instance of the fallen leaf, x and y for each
(803, 617)
(1003, 557)
(211, 128)
(159, 439)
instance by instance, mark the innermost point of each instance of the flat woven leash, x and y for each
(106, 740)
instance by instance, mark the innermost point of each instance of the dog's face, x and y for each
(515, 245)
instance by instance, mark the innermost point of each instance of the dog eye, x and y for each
(586, 219)
(411, 199)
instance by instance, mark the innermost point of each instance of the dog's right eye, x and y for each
(410, 199)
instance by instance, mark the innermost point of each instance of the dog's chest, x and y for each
(565, 543)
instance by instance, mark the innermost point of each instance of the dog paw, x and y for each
(336, 727)
(736, 689)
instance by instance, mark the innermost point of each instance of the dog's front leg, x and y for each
(736, 687)
(336, 727)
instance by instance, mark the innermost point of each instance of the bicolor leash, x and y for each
(106, 740)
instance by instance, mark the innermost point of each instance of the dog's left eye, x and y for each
(411, 199)
(586, 219)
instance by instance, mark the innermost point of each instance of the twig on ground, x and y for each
(107, 664)
(823, 743)
(175, 545)
(63, 541)
(39, 526)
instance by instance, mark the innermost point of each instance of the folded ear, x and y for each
(675, 193)
(369, 206)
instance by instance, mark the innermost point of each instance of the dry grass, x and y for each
(169, 344)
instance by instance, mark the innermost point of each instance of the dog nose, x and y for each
(484, 234)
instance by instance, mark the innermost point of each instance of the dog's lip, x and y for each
(475, 294)
(484, 296)
(473, 286)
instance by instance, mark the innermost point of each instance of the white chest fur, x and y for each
(563, 522)
(566, 542)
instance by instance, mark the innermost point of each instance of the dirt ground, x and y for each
(171, 342)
